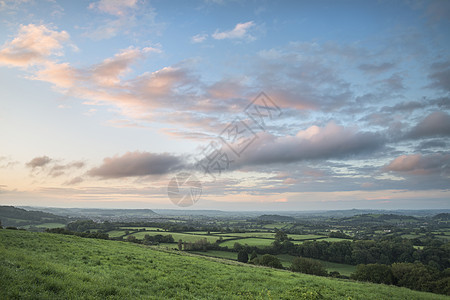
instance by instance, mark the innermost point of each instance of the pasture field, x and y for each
(52, 266)
(247, 241)
(269, 235)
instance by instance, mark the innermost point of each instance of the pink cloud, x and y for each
(33, 45)
(419, 164)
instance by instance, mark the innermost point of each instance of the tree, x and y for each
(237, 247)
(308, 266)
(180, 244)
(132, 238)
(253, 255)
(376, 273)
(412, 275)
(269, 260)
(242, 256)
(281, 236)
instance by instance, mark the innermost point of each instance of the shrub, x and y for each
(308, 266)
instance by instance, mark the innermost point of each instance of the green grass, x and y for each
(218, 254)
(343, 269)
(269, 235)
(53, 266)
(300, 237)
(47, 225)
(116, 233)
(250, 241)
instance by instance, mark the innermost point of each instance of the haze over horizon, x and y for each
(103, 102)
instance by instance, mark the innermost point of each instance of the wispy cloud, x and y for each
(240, 31)
(199, 38)
(114, 7)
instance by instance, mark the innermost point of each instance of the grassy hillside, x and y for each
(43, 265)
(13, 216)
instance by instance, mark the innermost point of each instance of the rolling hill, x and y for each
(43, 265)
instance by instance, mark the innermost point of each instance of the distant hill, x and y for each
(13, 216)
(380, 218)
(101, 214)
(275, 218)
(442, 217)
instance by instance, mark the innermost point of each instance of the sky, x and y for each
(230, 105)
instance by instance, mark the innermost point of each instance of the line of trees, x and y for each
(416, 276)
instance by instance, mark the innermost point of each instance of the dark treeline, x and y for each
(416, 276)
(93, 235)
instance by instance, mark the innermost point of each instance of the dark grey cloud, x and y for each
(40, 161)
(331, 141)
(376, 68)
(405, 106)
(435, 124)
(440, 75)
(133, 164)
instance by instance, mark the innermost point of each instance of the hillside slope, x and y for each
(43, 265)
(13, 216)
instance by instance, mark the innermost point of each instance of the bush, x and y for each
(242, 256)
(308, 266)
(269, 260)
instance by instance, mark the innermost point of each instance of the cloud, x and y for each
(114, 7)
(133, 164)
(331, 141)
(7, 162)
(435, 124)
(38, 162)
(199, 38)
(240, 31)
(74, 181)
(58, 169)
(376, 68)
(33, 45)
(419, 164)
(440, 76)
(110, 71)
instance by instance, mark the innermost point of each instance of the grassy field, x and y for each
(285, 259)
(52, 266)
(301, 237)
(269, 235)
(46, 225)
(116, 233)
(250, 241)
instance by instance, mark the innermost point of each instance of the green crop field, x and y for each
(52, 266)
